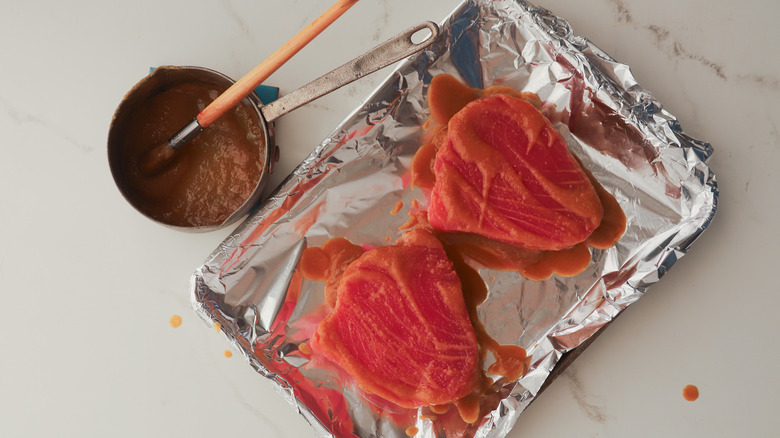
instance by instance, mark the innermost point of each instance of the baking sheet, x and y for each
(350, 183)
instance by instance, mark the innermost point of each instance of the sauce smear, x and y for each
(488, 251)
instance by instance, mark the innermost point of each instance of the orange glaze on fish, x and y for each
(492, 252)
(400, 326)
(175, 321)
(509, 360)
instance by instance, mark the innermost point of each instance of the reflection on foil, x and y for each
(350, 183)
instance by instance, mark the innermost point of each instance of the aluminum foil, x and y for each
(349, 184)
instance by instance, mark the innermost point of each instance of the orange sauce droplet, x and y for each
(228, 353)
(398, 206)
(440, 409)
(422, 167)
(447, 95)
(327, 263)
(510, 361)
(566, 262)
(217, 327)
(411, 431)
(175, 321)
(315, 263)
(304, 348)
(468, 408)
(690, 392)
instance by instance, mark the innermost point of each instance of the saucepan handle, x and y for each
(392, 50)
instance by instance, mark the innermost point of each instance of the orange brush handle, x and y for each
(246, 84)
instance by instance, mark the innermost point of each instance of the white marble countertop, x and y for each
(89, 285)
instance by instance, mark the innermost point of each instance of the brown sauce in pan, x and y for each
(211, 176)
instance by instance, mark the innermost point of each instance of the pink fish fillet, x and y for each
(400, 326)
(505, 172)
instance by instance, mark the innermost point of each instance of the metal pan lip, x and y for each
(156, 81)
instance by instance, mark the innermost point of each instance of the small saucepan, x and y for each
(219, 177)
